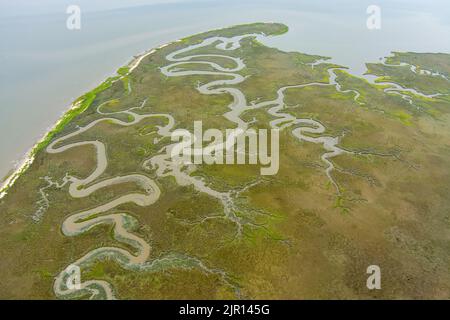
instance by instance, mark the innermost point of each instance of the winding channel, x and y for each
(123, 223)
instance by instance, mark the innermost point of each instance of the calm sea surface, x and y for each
(44, 66)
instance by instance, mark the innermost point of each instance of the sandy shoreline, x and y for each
(24, 163)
